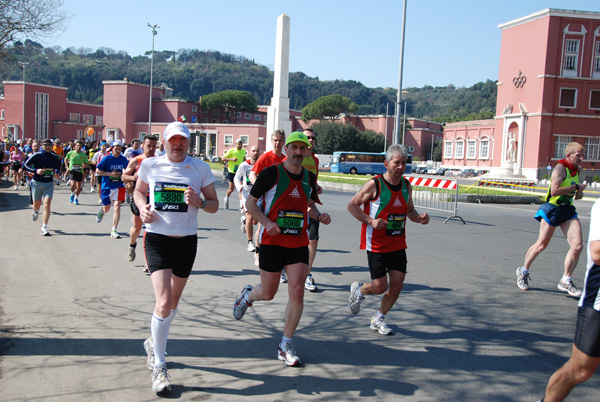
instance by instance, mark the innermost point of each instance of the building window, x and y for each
(141, 135)
(460, 149)
(74, 118)
(568, 98)
(265, 118)
(484, 149)
(592, 148)
(571, 57)
(216, 112)
(244, 139)
(1, 114)
(448, 150)
(42, 102)
(214, 121)
(560, 144)
(194, 108)
(248, 116)
(228, 139)
(257, 117)
(471, 148)
(79, 134)
(595, 99)
(597, 60)
(238, 115)
(88, 119)
(99, 120)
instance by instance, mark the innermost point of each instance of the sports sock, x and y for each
(566, 279)
(159, 327)
(284, 340)
(379, 316)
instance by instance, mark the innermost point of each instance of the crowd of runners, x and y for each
(278, 196)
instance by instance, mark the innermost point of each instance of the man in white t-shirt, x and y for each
(243, 185)
(585, 352)
(177, 184)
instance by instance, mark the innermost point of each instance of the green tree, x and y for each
(231, 101)
(438, 145)
(334, 136)
(328, 107)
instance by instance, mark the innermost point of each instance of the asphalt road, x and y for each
(74, 313)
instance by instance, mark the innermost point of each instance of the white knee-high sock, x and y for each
(160, 332)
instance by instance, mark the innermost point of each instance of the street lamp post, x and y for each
(23, 64)
(432, 146)
(399, 97)
(153, 27)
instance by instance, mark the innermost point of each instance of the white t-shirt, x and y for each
(167, 182)
(591, 288)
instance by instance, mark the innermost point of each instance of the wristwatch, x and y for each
(203, 204)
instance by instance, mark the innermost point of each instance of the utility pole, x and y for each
(399, 97)
(24, 64)
(153, 27)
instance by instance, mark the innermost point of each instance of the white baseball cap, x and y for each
(176, 128)
(117, 143)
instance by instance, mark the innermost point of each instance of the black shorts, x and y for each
(587, 331)
(76, 175)
(16, 166)
(174, 253)
(555, 215)
(313, 229)
(230, 176)
(274, 258)
(381, 263)
(93, 168)
(134, 208)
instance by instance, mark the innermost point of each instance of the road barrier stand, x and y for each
(435, 194)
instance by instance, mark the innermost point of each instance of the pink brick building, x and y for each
(548, 96)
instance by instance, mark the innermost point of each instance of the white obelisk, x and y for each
(278, 114)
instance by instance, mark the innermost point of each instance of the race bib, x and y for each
(290, 222)
(47, 172)
(114, 179)
(170, 197)
(395, 225)
(76, 168)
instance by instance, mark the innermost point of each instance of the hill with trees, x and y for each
(193, 73)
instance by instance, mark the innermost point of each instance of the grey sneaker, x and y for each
(283, 278)
(355, 297)
(380, 326)
(161, 380)
(241, 305)
(149, 348)
(226, 202)
(99, 216)
(243, 220)
(309, 284)
(569, 287)
(35, 215)
(523, 280)
(131, 254)
(287, 354)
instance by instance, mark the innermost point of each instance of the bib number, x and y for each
(395, 225)
(170, 197)
(47, 172)
(76, 168)
(290, 222)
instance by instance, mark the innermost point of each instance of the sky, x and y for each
(446, 42)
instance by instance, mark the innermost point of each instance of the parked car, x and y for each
(442, 171)
(432, 171)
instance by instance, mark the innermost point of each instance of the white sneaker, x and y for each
(131, 254)
(45, 232)
(309, 284)
(114, 234)
(283, 278)
(92, 189)
(149, 348)
(16, 188)
(380, 326)
(35, 215)
(243, 227)
(161, 380)
(226, 202)
(251, 247)
(287, 354)
(355, 297)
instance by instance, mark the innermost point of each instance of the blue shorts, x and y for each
(554, 215)
(108, 195)
(41, 190)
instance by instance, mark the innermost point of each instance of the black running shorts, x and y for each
(274, 258)
(587, 332)
(174, 253)
(381, 263)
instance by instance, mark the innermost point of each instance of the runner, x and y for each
(60, 152)
(243, 185)
(175, 182)
(75, 162)
(269, 158)
(16, 160)
(387, 202)
(98, 156)
(44, 164)
(130, 175)
(110, 169)
(288, 190)
(234, 157)
(93, 149)
(130, 153)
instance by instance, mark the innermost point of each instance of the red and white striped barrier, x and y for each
(433, 183)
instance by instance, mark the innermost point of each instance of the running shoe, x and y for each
(569, 287)
(45, 232)
(251, 246)
(161, 380)
(35, 215)
(243, 227)
(72, 198)
(287, 354)
(380, 326)
(127, 199)
(76, 202)
(241, 305)
(309, 284)
(283, 278)
(226, 202)
(114, 234)
(355, 297)
(149, 348)
(99, 216)
(16, 188)
(92, 189)
(131, 254)
(523, 279)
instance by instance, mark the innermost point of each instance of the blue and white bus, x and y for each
(362, 163)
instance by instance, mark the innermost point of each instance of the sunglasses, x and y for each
(311, 138)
